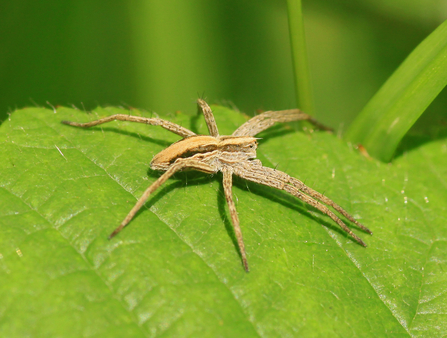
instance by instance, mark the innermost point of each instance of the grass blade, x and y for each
(299, 56)
(403, 98)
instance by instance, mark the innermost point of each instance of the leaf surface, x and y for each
(175, 270)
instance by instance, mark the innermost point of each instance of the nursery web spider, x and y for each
(232, 155)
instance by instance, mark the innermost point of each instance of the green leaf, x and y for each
(175, 270)
(403, 98)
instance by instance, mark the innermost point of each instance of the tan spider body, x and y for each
(208, 149)
(231, 155)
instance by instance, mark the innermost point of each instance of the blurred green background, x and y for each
(161, 55)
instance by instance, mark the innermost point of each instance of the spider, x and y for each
(231, 155)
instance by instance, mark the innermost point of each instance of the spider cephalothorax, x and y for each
(231, 155)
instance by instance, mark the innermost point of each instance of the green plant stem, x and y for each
(299, 57)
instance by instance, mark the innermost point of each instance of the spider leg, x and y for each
(311, 192)
(203, 107)
(178, 165)
(324, 209)
(319, 196)
(175, 128)
(275, 179)
(267, 119)
(227, 185)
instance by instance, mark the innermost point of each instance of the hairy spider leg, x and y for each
(315, 194)
(267, 119)
(260, 174)
(311, 192)
(173, 127)
(179, 164)
(203, 107)
(227, 185)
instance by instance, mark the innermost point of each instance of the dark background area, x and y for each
(160, 56)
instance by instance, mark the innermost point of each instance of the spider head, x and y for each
(243, 145)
